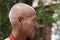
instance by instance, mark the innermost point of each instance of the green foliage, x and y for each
(56, 7)
(4, 21)
(29, 2)
(47, 16)
(5, 26)
(5, 6)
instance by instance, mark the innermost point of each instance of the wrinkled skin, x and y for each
(23, 27)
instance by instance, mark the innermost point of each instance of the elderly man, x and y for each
(23, 21)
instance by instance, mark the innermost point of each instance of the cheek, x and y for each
(29, 24)
(29, 27)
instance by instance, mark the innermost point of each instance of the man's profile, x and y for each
(23, 20)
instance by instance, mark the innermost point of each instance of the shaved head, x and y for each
(23, 20)
(20, 9)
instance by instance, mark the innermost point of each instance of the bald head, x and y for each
(20, 9)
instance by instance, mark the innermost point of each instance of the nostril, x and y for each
(28, 38)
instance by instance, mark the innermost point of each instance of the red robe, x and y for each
(11, 37)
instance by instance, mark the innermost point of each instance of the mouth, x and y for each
(28, 38)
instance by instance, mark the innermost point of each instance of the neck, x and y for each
(18, 35)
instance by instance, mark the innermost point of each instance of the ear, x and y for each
(20, 18)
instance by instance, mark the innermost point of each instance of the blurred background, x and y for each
(48, 14)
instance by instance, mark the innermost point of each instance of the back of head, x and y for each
(20, 9)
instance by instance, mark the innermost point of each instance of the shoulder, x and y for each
(7, 39)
